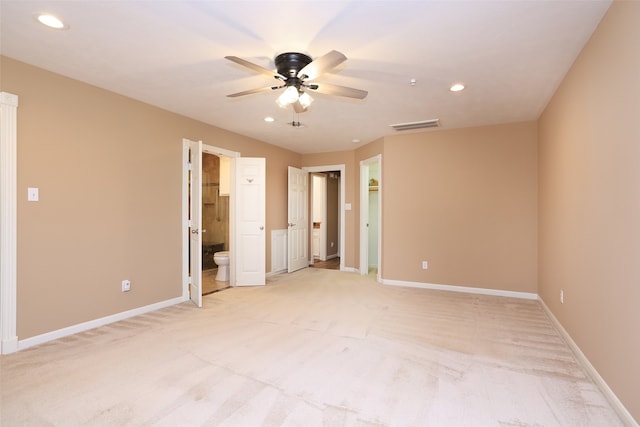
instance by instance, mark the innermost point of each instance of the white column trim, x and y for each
(8, 221)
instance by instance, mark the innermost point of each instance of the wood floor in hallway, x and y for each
(313, 348)
(332, 264)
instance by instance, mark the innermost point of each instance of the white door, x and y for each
(298, 219)
(195, 221)
(250, 249)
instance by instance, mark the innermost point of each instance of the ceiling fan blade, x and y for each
(298, 108)
(347, 92)
(321, 65)
(249, 92)
(255, 67)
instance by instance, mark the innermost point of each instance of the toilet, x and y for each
(222, 260)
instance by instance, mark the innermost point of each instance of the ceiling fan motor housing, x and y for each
(289, 64)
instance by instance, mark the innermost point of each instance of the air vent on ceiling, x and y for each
(433, 123)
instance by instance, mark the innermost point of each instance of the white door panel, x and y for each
(250, 227)
(298, 219)
(195, 222)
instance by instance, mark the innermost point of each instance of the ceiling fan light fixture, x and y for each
(305, 100)
(288, 97)
(295, 71)
(457, 87)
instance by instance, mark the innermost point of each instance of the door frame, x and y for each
(343, 178)
(210, 149)
(364, 215)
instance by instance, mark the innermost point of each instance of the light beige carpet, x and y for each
(316, 347)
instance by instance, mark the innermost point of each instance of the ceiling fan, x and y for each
(296, 73)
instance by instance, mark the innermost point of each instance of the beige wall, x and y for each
(590, 202)
(473, 202)
(109, 171)
(465, 201)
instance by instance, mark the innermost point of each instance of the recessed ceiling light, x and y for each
(51, 21)
(456, 87)
(269, 119)
(355, 141)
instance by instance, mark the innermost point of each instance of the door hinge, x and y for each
(189, 223)
(190, 282)
(190, 166)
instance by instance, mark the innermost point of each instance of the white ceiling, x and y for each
(511, 55)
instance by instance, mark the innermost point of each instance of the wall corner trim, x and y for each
(617, 405)
(92, 324)
(464, 289)
(8, 221)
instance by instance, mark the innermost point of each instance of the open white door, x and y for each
(195, 221)
(250, 231)
(298, 219)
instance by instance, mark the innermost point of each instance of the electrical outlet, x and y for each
(425, 265)
(561, 297)
(32, 194)
(126, 285)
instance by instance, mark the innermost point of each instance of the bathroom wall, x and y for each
(215, 208)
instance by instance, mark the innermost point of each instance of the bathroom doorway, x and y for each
(215, 217)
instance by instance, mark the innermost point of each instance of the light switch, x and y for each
(32, 194)
(347, 206)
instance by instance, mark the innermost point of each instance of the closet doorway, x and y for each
(371, 217)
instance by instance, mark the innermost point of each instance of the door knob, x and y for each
(194, 231)
(261, 227)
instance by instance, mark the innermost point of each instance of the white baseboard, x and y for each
(622, 412)
(85, 326)
(465, 289)
(332, 256)
(9, 345)
(350, 270)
